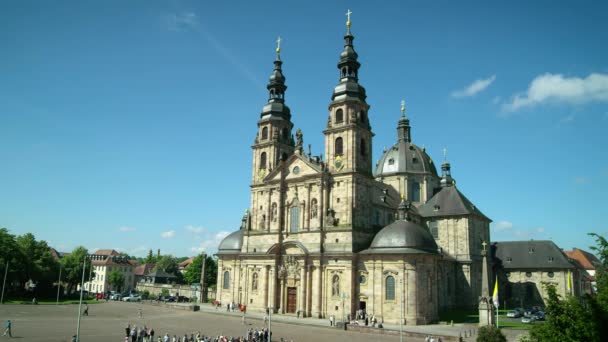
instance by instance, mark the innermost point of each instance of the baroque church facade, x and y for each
(338, 235)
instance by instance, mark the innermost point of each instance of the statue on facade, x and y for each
(335, 286)
(313, 208)
(330, 217)
(273, 212)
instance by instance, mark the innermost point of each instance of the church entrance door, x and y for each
(291, 299)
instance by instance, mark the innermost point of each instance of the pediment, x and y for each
(297, 166)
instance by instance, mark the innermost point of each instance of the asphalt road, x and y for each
(107, 321)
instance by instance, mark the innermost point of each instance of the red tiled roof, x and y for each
(106, 252)
(586, 259)
(186, 262)
(144, 269)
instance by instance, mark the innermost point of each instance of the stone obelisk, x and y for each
(486, 308)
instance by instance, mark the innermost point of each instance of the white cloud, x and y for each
(194, 229)
(557, 88)
(167, 235)
(502, 226)
(210, 244)
(184, 21)
(474, 88)
(126, 229)
(567, 119)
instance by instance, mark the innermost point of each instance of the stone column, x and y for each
(269, 211)
(309, 286)
(316, 301)
(412, 298)
(282, 296)
(307, 214)
(303, 285)
(273, 287)
(266, 287)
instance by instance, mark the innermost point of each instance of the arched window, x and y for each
(226, 284)
(339, 116)
(363, 147)
(263, 160)
(335, 286)
(264, 133)
(254, 281)
(285, 134)
(338, 149)
(363, 116)
(390, 288)
(415, 192)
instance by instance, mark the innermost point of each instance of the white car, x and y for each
(132, 298)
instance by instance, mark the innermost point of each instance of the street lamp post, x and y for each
(58, 284)
(4, 282)
(344, 296)
(84, 267)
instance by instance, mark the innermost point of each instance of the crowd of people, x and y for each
(146, 334)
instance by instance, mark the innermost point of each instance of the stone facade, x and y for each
(310, 243)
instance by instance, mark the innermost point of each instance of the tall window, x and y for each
(226, 280)
(390, 288)
(434, 226)
(363, 147)
(338, 148)
(339, 116)
(264, 133)
(415, 192)
(294, 219)
(263, 160)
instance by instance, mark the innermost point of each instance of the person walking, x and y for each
(86, 310)
(8, 327)
(141, 313)
(128, 329)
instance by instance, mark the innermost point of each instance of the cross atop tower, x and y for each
(403, 107)
(445, 154)
(279, 45)
(348, 13)
(484, 244)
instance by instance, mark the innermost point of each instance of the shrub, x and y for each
(490, 333)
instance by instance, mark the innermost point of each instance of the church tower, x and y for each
(273, 141)
(348, 136)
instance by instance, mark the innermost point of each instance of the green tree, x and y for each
(490, 333)
(167, 263)
(116, 279)
(38, 264)
(193, 271)
(72, 267)
(151, 258)
(11, 253)
(599, 303)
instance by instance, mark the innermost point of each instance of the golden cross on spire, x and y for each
(484, 244)
(348, 13)
(403, 107)
(279, 45)
(445, 154)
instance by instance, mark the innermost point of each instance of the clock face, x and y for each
(338, 163)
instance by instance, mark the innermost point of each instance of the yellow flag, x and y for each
(495, 294)
(569, 281)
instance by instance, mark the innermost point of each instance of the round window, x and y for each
(528, 274)
(296, 170)
(551, 274)
(362, 279)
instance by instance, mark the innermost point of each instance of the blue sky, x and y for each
(128, 124)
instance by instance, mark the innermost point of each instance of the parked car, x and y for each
(514, 314)
(170, 299)
(539, 316)
(132, 298)
(528, 319)
(115, 296)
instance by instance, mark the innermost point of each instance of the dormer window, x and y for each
(550, 259)
(530, 250)
(509, 259)
(436, 208)
(391, 161)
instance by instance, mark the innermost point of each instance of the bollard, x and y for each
(452, 322)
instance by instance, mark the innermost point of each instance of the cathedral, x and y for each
(339, 235)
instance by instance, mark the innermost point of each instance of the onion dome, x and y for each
(276, 106)
(403, 236)
(349, 87)
(404, 156)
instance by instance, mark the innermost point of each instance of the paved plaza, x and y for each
(107, 321)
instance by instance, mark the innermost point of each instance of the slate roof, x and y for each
(232, 243)
(402, 237)
(450, 202)
(530, 255)
(404, 157)
(160, 274)
(586, 259)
